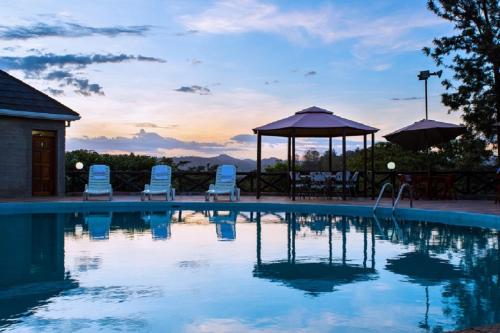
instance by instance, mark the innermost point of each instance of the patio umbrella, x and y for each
(425, 134)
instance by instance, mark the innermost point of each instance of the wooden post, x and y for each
(259, 162)
(293, 169)
(330, 157)
(373, 166)
(344, 166)
(365, 167)
(289, 169)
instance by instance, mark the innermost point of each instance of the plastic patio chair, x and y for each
(160, 183)
(99, 182)
(225, 184)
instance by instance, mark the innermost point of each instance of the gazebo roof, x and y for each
(314, 122)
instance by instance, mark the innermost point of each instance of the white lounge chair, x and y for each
(99, 182)
(160, 183)
(225, 183)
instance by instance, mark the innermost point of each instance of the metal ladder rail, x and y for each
(400, 195)
(382, 190)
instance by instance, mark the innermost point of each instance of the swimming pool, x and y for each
(197, 267)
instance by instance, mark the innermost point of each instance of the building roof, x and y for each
(314, 122)
(18, 99)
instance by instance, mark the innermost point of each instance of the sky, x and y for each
(174, 78)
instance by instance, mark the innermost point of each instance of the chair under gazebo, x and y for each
(315, 122)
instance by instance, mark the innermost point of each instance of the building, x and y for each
(32, 140)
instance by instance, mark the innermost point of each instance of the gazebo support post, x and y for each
(373, 166)
(293, 169)
(365, 167)
(289, 169)
(330, 157)
(344, 166)
(259, 162)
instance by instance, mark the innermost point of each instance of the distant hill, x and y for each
(241, 164)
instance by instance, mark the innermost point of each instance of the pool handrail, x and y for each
(381, 193)
(400, 195)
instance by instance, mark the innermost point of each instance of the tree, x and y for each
(473, 54)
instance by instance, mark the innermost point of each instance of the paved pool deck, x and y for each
(472, 206)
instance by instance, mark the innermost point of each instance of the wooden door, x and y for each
(44, 164)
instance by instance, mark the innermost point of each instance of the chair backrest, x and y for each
(297, 175)
(339, 175)
(318, 176)
(355, 177)
(161, 177)
(99, 177)
(225, 177)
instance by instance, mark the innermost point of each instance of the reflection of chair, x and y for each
(99, 182)
(225, 225)
(339, 180)
(159, 223)
(160, 183)
(225, 183)
(98, 225)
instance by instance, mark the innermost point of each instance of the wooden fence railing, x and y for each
(466, 184)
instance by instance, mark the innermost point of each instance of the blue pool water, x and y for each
(265, 270)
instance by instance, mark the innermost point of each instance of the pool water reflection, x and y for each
(230, 271)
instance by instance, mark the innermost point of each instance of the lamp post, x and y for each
(424, 76)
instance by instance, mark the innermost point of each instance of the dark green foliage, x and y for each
(123, 162)
(463, 154)
(473, 55)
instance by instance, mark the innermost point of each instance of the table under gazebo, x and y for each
(315, 122)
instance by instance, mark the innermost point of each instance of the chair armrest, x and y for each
(86, 187)
(211, 187)
(146, 187)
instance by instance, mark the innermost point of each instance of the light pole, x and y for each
(423, 76)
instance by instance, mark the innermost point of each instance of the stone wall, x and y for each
(15, 154)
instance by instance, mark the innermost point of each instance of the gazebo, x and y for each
(315, 122)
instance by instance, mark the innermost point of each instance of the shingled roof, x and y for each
(18, 99)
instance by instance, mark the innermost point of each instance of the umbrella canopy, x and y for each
(313, 278)
(424, 134)
(314, 122)
(422, 268)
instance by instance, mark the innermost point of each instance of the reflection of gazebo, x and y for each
(315, 122)
(314, 277)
